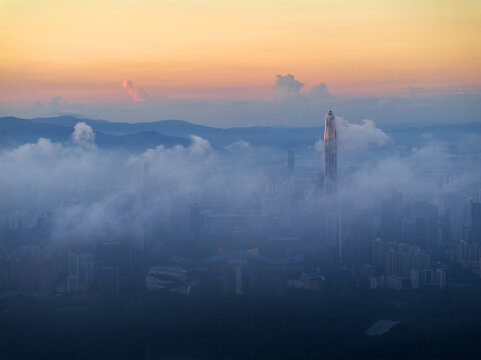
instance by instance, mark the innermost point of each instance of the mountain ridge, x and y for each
(138, 136)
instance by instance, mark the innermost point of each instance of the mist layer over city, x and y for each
(288, 220)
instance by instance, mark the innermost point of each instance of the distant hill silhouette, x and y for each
(139, 136)
(279, 137)
(15, 131)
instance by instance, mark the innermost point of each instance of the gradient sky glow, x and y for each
(84, 50)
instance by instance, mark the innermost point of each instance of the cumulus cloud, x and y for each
(353, 136)
(240, 145)
(178, 156)
(137, 94)
(41, 151)
(83, 134)
(45, 173)
(320, 92)
(287, 86)
(360, 136)
(199, 145)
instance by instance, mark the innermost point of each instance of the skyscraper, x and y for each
(476, 223)
(330, 153)
(291, 161)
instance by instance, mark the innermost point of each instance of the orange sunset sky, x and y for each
(84, 50)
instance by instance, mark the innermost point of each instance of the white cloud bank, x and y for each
(352, 136)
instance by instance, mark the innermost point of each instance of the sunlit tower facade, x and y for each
(330, 153)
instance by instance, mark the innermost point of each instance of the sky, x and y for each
(107, 54)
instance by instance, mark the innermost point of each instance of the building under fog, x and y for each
(244, 272)
(330, 153)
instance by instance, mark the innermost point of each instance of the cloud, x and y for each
(137, 94)
(320, 92)
(199, 145)
(287, 86)
(238, 146)
(360, 136)
(83, 134)
(94, 193)
(57, 101)
(288, 106)
(43, 148)
(411, 91)
(353, 136)
(373, 182)
(45, 171)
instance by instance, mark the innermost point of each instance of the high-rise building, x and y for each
(391, 218)
(108, 280)
(80, 272)
(414, 279)
(330, 153)
(291, 161)
(440, 278)
(476, 223)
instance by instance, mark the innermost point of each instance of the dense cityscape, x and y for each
(255, 179)
(203, 222)
(260, 244)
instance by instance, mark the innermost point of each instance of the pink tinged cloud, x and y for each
(137, 94)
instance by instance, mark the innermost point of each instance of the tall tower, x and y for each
(330, 154)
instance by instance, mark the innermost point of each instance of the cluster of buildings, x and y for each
(398, 243)
(31, 269)
(468, 250)
(404, 266)
(244, 272)
(56, 270)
